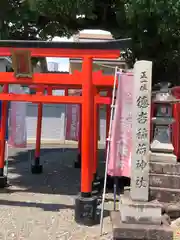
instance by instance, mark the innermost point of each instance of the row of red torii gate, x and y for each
(90, 83)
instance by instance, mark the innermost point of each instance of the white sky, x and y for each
(64, 62)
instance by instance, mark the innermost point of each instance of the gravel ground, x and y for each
(37, 207)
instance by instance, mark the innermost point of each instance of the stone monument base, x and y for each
(139, 211)
(163, 157)
(129, 231)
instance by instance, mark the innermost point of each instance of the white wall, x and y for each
(53, 123)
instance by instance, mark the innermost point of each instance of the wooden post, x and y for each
(96, 135)
(37, 168)
(66, 91)
(87, 130)
(85, 204)
(38, 131)
(80, 135)
(4, 114)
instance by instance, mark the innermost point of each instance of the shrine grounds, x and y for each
(36, 207)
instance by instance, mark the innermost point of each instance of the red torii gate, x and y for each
(77, 163)
(88, 80)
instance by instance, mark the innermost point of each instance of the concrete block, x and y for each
(164, 194)
(164, 168)
(163, 157)
(164, 181)
(125, 231)
(139, 212)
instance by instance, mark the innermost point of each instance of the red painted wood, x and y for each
(69, 53)
(87, 127)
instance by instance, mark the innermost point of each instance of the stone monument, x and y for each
(138, 218)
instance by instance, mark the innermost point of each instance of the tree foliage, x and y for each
(153, 25)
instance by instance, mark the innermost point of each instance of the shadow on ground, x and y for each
(59, 175)
(52, 207)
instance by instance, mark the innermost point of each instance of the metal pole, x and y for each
(108, 151)
(108, 115)
(115, 191)
(96, 132)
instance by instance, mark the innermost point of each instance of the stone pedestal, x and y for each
(137, 220)
(164, 185)
(130, 231)
(86, 210)
(163, 157)
(139, 212)
(164, 182)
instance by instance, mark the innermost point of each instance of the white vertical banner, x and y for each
(141, 115)
(17, 121)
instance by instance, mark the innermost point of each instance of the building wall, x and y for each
(53, 123)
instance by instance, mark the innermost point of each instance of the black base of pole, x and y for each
(77, 163)
(98, 183)
(110, 183)
(36, 168)
(3, 181)
(86, 210)
(121, 183)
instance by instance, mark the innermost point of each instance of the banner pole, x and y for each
(108, 151)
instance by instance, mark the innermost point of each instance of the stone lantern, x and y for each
(162, 148)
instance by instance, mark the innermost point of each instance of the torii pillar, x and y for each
(86, 204)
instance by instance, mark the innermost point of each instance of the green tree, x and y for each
(153, 26)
